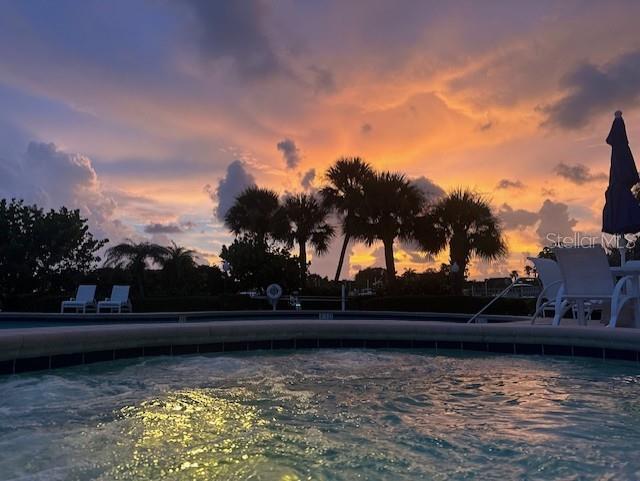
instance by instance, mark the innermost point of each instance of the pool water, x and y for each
(324, 415)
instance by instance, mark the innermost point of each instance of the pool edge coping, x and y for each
(48, 347)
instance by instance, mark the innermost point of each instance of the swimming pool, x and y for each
(324, 415)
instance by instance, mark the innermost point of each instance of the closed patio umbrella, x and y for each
(621, 214)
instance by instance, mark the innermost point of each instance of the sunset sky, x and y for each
(150, 116)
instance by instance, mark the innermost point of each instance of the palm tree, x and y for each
(307, 224)
(176, 263)
(391, 205)
(463, 221)
(345, 195)
(528, 270)
(134, 257)
(256, 214)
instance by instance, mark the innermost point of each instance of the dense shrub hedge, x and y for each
(148, 304)
(199, 303)
(459, 304)
(31, 303)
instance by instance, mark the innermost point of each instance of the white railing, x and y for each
(515, 284)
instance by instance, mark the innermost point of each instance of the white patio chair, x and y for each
(551, 279)
(118, 302)
(85, 299)
(587, 278)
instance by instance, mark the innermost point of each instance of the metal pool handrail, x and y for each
(516, 283)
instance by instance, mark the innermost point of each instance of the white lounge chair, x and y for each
(118, 302)
(587, 278)
(85, 300)
(551, 279)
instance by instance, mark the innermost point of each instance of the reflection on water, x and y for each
(193, 432)
(324, 415)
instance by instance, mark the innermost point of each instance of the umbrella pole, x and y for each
(622, 248)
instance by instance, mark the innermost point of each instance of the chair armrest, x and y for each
(546, 288)
(617, 290)
(560, 295)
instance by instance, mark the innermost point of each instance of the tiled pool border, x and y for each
(23, 350)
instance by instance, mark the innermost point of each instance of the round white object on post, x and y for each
(274, 293)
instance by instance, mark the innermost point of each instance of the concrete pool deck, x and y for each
(36, 348)
(191, 316)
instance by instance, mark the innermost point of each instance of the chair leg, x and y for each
(539, 307)
(616, 308)
(542, 311)
(560, 310)
(580, 312)
(536, 314)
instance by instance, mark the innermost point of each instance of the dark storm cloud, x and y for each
(52, 178)
(578, 173)
(595, 90)
(515, 218)
(430, 189)
(236, 30)
(307, 179)
(509, 184)
(554, 220)
(290, 152)
(162, 229)
(229, 187)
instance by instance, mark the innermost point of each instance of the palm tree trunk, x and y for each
(345, 243)
(140, 277)
(458, 255)
(302, 256)
(388, 258)
(457, 278)
(137, 268)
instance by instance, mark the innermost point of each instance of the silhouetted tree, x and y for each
(43, 251)
(253, 265)
(370, 277)
(345, 195)
(321, 286)
(528, 270)
(213, 280)
(431, 282)
(547, 253)
(177, 266)
(134, 257)
(307, 225)
(463, 221)
(256, 214)
(390, 208)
